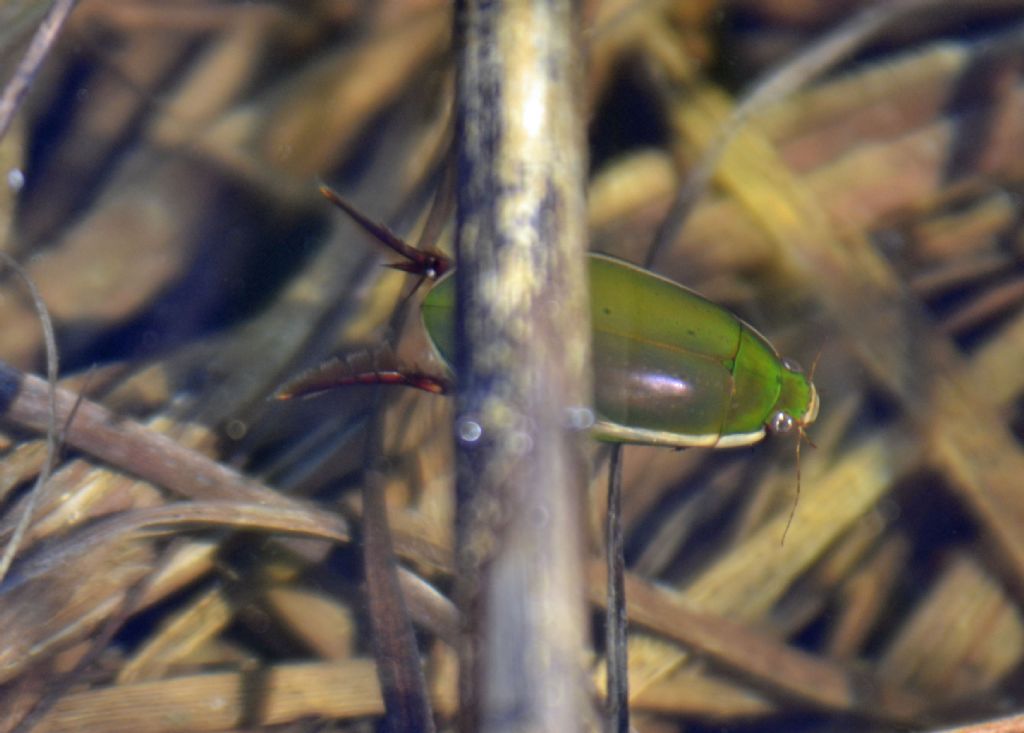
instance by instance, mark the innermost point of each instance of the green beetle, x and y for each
(670, 367)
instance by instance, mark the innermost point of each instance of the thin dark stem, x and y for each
(15, 90)
(403, 685)
(52, 445)
(616, 639)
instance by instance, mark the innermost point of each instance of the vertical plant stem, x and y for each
(616, 639)
(522, 362)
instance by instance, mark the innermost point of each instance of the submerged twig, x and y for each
(779, 83)
(296, 520)
(17, 87)
(1010, 724)
(125, 444)
(51, 423)
(403, 685)
(522, 361)
(771, 664)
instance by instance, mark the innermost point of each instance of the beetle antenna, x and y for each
(801, 436)
(796, 499)
(814, 364)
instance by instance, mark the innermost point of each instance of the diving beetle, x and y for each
(671, 368)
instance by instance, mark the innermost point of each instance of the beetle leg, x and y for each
(363, 367)
(426, 262)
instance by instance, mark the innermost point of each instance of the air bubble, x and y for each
(15, 179)
(581, 418)
(468, 430)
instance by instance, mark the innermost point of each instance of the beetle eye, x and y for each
(782, 423)
(792, 366)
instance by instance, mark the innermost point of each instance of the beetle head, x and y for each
(797, 404)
